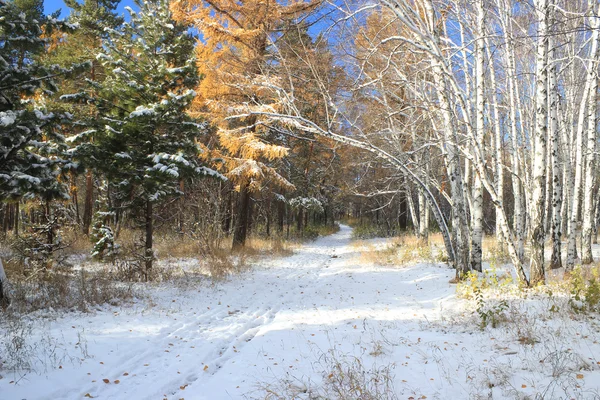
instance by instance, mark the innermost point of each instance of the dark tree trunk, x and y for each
(403, 214)
(149, 254)
(181, 211)
(50, 222)
(242, 218)
(4, 299)
(4, 218)
(280, 215)
(75, 197)
(300, 220)
(269, 216)
(16, 225)
(89, 203)
(250, 215)
(228, 213)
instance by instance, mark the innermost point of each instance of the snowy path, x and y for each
(276, 326)
(219, 343)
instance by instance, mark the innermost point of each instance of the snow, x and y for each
(142, 111)
(7, 118)
(277, 326)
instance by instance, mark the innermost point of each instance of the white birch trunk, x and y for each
(477, 206)
(588, 195)
(537, 273)
(588, 96)
(498, 159)
(554, 135)
(423, 209)
(413, 212)
(518, 218)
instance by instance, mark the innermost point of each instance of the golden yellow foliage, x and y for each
(232, 58)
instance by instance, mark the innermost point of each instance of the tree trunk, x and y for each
(89, 203)
(181, 207)
(423, 209)
(240, 229)
(587, 96)
(4, 299)
(280, 215)
(50, 222)
(588, 191)
(149, 254)
(537, 273)
(17, 218)
(299, 220)
(498, 159)
(268, 216)
(554, 135)
(477, 190)
(596, 220)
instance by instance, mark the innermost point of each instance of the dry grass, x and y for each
(344, 377)
(177, 246)
(261, 246)
(401, 250)
(62, 288)
(409, 248)
(77, 242)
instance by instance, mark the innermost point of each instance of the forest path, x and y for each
(271, 325)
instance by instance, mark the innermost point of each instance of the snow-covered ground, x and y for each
(283, 327)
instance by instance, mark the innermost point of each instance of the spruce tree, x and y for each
(30, 141)
(31, 145)
(82, 45)
(142, 140)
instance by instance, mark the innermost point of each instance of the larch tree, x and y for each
(233, 54)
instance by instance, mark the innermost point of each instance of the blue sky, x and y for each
(52, 5)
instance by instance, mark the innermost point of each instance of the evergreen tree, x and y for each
(143, 141)
(82, 45)
(30, 142)
(31, 147)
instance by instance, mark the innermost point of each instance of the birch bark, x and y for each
(537, 273)
(588, 195)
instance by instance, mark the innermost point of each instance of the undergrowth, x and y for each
(344, 377)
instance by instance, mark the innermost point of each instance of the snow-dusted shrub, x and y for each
(585, 291)
(103, 239)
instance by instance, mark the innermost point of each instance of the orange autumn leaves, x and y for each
(232, 58)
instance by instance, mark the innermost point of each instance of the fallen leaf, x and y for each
(117, 381)
(89, 396)
(579, 376)
(125, 373)
(523, 386)
(106, 380)
(205, 367)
